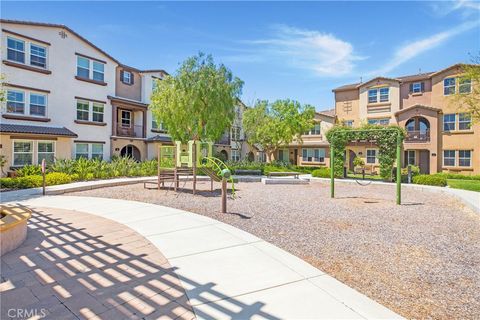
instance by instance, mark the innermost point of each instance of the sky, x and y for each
(281, 50)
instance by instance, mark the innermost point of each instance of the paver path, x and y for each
(75, 265)
(228, 273)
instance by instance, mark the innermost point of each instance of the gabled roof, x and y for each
(415, 77)
(327, 113)
(458, 65)
(61, 26)
(50, 131)
(377, 78)
(421, 106)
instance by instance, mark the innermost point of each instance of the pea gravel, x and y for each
(420, 259)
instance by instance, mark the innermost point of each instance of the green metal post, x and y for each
(399, 171)
(332, 173)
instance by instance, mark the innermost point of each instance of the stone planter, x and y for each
(13, 227)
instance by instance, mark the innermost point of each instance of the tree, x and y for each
(274, 125)
(470, 102)
(198, 102)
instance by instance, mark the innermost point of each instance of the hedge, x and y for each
(321, 173)
(35, 181)
(431, 180)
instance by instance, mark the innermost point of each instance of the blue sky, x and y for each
(297, 50)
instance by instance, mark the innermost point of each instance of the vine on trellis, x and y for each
(385, 138)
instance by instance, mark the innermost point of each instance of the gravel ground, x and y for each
(421, 259)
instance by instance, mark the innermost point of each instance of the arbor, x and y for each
(272, 125)
(198, 102)
(470, 102)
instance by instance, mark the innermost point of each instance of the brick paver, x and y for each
(75, 265)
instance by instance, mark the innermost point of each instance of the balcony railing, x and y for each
(417, 136)
(134, 131)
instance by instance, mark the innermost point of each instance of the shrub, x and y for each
(321, 173)
(431, 180)
(27, 182)
(29, 170)
(63, 165)
(358, 162)
(55, 178)
(458, 176)
(6, 183)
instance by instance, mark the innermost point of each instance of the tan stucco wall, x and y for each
(393, 104)
(123, 90)
(347, 100)
(409, 99)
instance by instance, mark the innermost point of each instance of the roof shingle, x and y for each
(50, 131)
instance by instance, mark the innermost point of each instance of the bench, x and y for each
(284, 174)
(248, 172)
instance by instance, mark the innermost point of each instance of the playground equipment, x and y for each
(398, 160)
(181, 161)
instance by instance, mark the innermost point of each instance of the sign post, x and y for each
(44, 169)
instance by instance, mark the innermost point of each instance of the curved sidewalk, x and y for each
(228, 273)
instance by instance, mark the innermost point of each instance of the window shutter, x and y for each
(132, 77)
(423, 86)
(411, 87)
(121, 75)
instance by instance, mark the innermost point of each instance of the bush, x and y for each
(29, 170)
(321, 173)
(458, 176)
(431, 180)
(358, 162)
(6, 183)
(27, 182)
(55, 178)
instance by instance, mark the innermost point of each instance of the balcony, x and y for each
(224, 140)
(134, 131)
(417, 136)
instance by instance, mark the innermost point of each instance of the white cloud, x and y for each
(415, 48)
(321, 53)
(466, 7)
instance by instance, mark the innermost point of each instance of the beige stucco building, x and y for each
(440, 135)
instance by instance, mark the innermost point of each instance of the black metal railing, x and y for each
(417, 136)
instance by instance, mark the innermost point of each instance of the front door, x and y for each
(424, 162)
(295, 156)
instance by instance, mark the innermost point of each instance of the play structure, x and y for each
(369, 134)
(182, 162)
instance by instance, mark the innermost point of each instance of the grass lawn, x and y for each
(472, 185)
(367, 176)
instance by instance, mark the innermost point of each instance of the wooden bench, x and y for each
(284, 174)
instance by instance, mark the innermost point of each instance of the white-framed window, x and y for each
(126, 118)
(372, 96)
(315, 130)
(90, 69)
(15, 50)
(449, 158)
(236, 133)
(22, 153)
(348, 123)
(82, 110)
(313, 155)
(97, 112)
(15, 102)
(81, 150)
(384, 94)
(235, 155)
(97, 151)
(283, 155)
(45, 150)
(411, 157)
(449, 120)
(465, 86)
(417, 87)
(379, 94)
(38, 104)
(90, 111)
(464, 158)
(127, 77)
(38, 56)
(158, 126)
(464, 121)
(371, 156)
(379, 122)
(449, 86)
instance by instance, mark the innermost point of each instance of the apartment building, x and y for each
(440, 137)
(67, 98)
(313, 149)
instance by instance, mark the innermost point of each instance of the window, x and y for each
(379, 122)
(15, 50)
(235, 133)
(97, 151)
(465, 86)
(384, 94)
(449, 158)
(449, 86)
(372, 96)
(158, 126)
(464, 121)
(235, 155)
(348, 123)
(82, 110)
(46, 150)
(449, 122)
(38, 56)
(411, 157)
(417, 87)
(38, 104)
(313, 155)
(283, 155)
(22, 153)
(83, 67)
(127, 77)
(97, 112)
(464, 158)
(81, 150)
(315, 130)
(371, 156)
(98, 71)
(126, 118)
(15, 102)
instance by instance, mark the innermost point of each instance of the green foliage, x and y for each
(458, 176)
(272, 125)
(470, 102)
(63, 165)
(54, 178)
(220, 156)
(198, 103)
(431, 180)
(358, 162)
(472, 185)
(385, 138)
(29, 170)
(321, 173)
(7, 183)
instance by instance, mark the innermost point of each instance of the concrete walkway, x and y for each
(228, 273)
